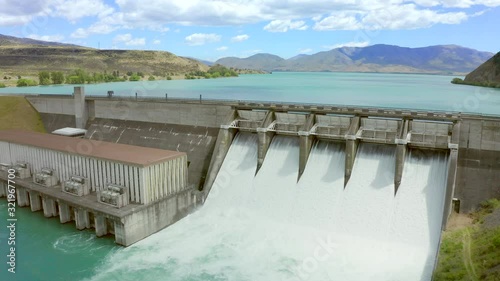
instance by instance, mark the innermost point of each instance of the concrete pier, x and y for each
(224, 140)
(351, 148)
(400, 163)
(82, 219)
(101, 228)
(81, 112)
(305, 143)
(35, 201)
(22, 197)
(401, 148)
(3, 188)
(450, 184)
(265, 138)
(49, 207)
(64, 213)
(452, 172)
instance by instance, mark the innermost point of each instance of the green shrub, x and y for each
(151, 78)
(457, 81)
(134, 77)
(169, 78)
(26, 83)
(2, 85)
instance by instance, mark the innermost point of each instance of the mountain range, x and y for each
(441, 59)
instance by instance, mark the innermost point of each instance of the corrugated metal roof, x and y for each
(115, 152)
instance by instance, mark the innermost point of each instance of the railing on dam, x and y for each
(292, 106)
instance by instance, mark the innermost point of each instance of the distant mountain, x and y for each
(264, 62)
(488, 72)
(22, 56)
(444, 59)
(209, 63)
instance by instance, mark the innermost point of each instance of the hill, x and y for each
(445, 59)
(488, 72)
(21, 56)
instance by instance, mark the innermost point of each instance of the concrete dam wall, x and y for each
(205, 129)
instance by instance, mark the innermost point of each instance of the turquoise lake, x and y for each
(48, 250)
(428, 92)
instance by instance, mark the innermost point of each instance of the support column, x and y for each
(265, 138)
(120, 236)
(3, 188)
(82, 219)
(400, 163)
(401, 148)
(306, 142)
(224, 140)
(452, 172)
(450, 183)
(64, 213)
(49, 207)
(351, 148)
(22, 197)
(101, 228)
(81, 114)
(35, 201)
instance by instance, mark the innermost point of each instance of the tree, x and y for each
(44, 77)
(151, 78)
(57, 77)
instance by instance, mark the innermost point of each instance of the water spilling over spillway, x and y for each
(269, 227)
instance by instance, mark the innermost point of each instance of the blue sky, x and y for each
(211, 29)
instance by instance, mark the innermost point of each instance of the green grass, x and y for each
(17, 113)
(471, 253)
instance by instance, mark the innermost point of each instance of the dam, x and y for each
(353, 175)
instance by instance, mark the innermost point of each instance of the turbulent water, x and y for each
(269, 227)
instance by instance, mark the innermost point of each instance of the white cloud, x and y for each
(285, 25)
(339, 21)
(104, 26)
(280, 15)
(49, 38)
(75, 10)
(240, 38)
(198, 39)
(348, 44)
(128, 40)
(156, 42)
(222, 48)
(305, 51)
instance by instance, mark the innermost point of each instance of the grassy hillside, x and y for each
(471, 251)
(17, 113)
(28, 60)
(486, 75)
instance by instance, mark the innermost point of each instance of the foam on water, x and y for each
(269, 227)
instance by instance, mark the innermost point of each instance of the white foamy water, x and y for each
(269, 227)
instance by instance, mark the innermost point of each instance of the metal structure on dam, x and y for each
(204, 130)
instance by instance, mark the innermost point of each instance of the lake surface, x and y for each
(427, 92)
(48, 250)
